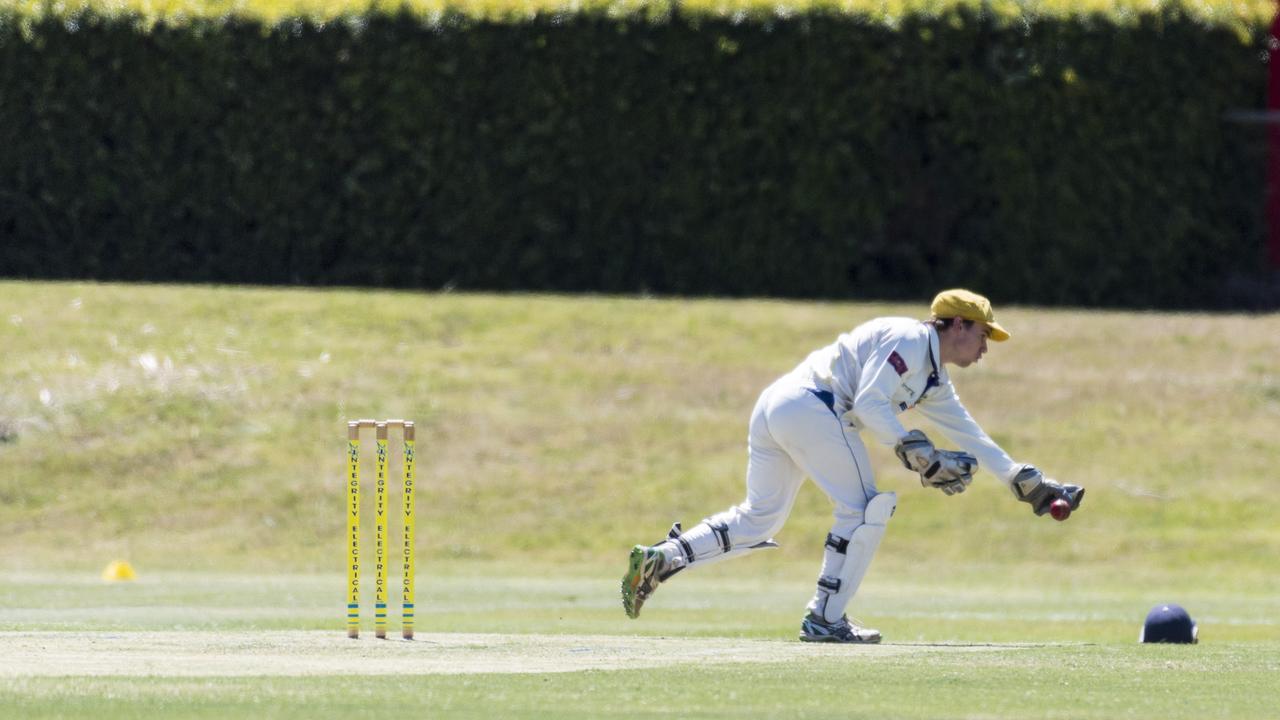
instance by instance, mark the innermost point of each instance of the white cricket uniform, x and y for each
(888, 366)
(809, 421)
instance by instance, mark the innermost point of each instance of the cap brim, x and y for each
(998, 333)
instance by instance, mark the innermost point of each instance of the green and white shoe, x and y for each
(644, 572)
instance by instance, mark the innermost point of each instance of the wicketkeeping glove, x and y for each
(1032, 487)
(948, 470)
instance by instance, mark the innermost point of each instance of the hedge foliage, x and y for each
(1057, 160)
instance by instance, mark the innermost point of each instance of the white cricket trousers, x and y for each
(793, 433)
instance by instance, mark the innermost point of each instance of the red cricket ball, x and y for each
(1060, 509)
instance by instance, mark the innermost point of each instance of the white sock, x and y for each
(672, 554)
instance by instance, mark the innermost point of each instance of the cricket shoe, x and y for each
(815, 629)
(644, 572)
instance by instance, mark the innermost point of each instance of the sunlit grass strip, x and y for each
(1216, 11)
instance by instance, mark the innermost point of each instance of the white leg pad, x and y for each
(705, 540)
(843, 571)
(736, 552)
(703, 545)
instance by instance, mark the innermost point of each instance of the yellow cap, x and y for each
(970, 306)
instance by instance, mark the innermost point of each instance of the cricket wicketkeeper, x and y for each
(810, 423)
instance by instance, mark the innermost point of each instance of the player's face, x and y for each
(970, 343)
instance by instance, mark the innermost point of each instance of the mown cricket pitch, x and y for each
(311, 653)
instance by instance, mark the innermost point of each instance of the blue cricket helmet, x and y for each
(1169, 623)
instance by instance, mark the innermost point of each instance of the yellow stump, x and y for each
(380, 536)
(381, 526)
(353, 529)
(409, 497)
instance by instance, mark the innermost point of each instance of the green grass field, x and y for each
(500, 644)
(199, 433)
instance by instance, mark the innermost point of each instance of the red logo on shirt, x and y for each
(898, 363)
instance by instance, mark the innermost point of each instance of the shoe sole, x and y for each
(806, 638)
(631, 582)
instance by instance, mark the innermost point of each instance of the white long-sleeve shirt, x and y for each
(887, 366)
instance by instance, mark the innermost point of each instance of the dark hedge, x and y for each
(1049, 160)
